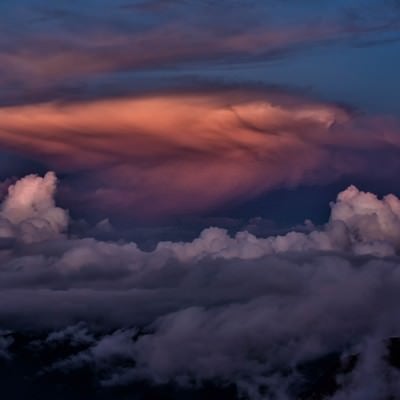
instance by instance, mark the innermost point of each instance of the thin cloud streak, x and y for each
(40, 60)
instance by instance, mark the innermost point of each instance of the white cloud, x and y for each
(29, 210)
(360, 223)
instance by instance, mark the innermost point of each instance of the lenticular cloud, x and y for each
(256, 313)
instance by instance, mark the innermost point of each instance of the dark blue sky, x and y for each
(347, 51)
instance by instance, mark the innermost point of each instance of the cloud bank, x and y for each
(240, 310)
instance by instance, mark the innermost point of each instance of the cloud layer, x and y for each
(242, 310)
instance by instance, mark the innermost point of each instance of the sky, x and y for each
(158, 110)
(200, 193)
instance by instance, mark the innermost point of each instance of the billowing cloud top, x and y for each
(29, 214)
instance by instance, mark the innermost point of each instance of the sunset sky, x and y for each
(153, 110)
(200, 198)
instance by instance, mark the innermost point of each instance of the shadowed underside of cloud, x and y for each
(163, 155)
(237, 310)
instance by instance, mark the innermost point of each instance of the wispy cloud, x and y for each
(41, 57)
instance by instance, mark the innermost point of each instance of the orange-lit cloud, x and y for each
(179, 153)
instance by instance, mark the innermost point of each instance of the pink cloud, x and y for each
(181, 153)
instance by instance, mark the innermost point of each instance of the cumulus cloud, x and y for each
(28, 213)
(239, 310)
(370, 219)
(360, 223)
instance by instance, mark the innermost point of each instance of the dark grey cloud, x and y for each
(241, 310)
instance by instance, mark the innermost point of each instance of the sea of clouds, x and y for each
(240, 309)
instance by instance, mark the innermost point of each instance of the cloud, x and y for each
(75, 335)
(192, 33)
(6, 341)
(172, 154)
(360, 223)
(257, 313)
(240, 310)
(373, 377)
(28, 212)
